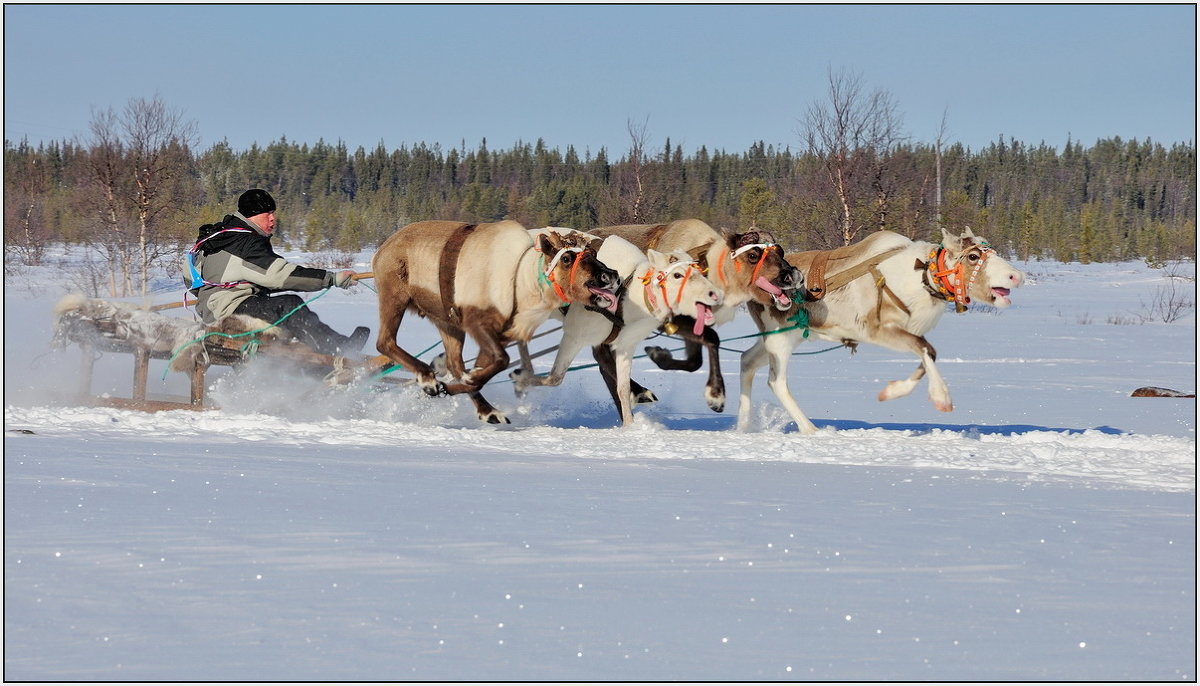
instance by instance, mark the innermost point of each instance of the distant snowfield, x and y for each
(1044, 530)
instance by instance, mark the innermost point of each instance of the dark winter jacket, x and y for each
(236, 261)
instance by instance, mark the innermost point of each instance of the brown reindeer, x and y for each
(490, 281)
(748, 266)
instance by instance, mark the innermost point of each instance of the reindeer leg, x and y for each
(623, 367)
(692, 360)
(939, 392)
(523, 376)
(776, 351)
(641, 394)
(492, 359)
(450, 362)
(714, 389)
(779, 350)
(389, 324)
(568, 347)
(607, 364)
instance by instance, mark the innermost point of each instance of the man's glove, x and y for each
(343, 279)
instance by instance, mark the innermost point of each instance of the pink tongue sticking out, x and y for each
(608, 296)
(704, 317)
(779, 295)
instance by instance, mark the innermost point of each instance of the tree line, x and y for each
(137, 189)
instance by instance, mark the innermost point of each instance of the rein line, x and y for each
(252, 346)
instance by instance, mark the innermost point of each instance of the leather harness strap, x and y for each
(840, 279)
(814, 278)
(881, 283)
(448, 268)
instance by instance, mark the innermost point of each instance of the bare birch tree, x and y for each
(104, 200)
(159, 143)
(637, 159)
(137, 166)
(26, 186)
(851, 133)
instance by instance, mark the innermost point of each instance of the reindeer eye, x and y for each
(677, 275)
(568, 258)
(754, 255)
(974, 256)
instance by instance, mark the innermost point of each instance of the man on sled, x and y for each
(234, 270)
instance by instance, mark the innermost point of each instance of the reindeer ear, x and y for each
(545, 244)
(699, 253)
(948, 240)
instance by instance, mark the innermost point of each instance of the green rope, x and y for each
(396, 367)
(799, 321)
(251, 347)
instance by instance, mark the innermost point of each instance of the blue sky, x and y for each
(722, 76)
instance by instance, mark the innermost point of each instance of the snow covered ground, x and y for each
(1044, 530)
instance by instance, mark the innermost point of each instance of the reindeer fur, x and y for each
(714, 250)
(641, 313)
(485, 281)
(891, 306)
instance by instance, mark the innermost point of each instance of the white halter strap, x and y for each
(744, 248)
(558, 256)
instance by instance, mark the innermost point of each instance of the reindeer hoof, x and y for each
(433, 389)
(496, 418)
(658, 355)
(715, 403)
(519, 382)
(646, 396)
(944, 407)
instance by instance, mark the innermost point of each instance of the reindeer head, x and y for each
(679, 282)
(759, 259)
(973, 268)
(575, 273)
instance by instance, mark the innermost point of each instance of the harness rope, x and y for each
(251, 348)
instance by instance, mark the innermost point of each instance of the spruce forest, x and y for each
(136, 190)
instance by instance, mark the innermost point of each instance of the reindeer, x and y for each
(748, 266)
(490, 281)
(887, 290)
(657, 287)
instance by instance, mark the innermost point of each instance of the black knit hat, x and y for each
(255, 201)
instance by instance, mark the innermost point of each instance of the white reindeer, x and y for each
(887, 290)
(658, 286)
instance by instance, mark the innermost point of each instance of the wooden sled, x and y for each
(99, 327)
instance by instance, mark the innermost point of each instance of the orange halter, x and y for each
(733, 255)
(548, 275)
(661, 279)
(949, 281)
